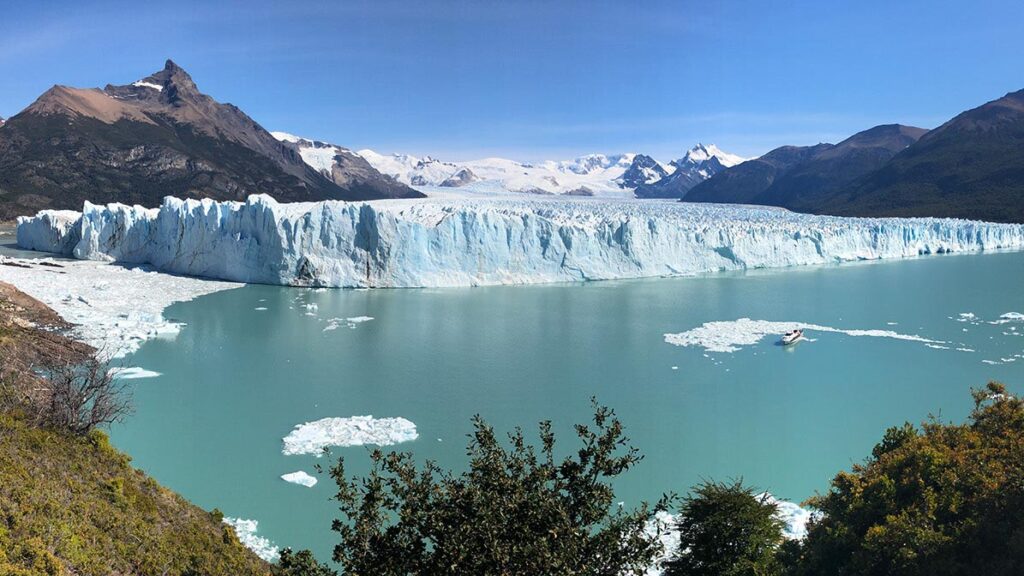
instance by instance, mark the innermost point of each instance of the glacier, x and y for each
(437, 242)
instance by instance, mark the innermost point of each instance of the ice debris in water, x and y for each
(335, 323)
(730, 336)
(132, 373)
(313, 437)
(246, 531)
(112, 307)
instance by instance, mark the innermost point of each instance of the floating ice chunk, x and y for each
(246, 531)
(1009, 317)
(300, 478)
(260, 308)
(730, 336)
(132, 373)
(313, 437)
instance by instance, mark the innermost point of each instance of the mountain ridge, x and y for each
(157, 136)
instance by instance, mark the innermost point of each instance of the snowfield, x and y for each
(479, 241)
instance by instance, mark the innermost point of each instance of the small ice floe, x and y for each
(260, 308)
(730, 336)
(965, 349)
(301, 478)
(937, 346)
(313, 437)
(1009, 317)
(246, 532)
(132, 373)
(335, 323)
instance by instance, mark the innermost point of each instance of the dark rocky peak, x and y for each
(172, 86)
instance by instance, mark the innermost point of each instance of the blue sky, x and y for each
(533, 80)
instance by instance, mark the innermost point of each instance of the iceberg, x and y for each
(301, 478)
(313, 437)
(732, 335)
(436, 242)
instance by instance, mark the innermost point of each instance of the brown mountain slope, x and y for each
(155, 137)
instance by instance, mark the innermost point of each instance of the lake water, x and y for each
(237, 379)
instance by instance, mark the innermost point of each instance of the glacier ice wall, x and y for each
(469, 242)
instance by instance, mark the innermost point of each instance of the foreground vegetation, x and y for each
(938, 499)
(70, 504)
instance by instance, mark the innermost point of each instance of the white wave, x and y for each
(301, 478)
(313, 437)
(730, 336)
(246, 531)
(113, 308)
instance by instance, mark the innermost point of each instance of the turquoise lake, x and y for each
(237, 379)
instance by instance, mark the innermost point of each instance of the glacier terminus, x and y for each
(438, 242)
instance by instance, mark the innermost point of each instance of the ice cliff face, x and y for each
(468, 242)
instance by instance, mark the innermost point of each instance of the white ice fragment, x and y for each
(313, 437)
(301, 478)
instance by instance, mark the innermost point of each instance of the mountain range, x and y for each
(158, 136)
(617, 175)
(969, 167)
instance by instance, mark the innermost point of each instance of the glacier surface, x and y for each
(470, 241)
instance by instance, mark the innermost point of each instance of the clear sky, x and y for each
(532, 80)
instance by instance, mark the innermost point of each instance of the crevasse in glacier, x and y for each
(468, 242)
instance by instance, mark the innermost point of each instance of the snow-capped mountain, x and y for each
(700, 163)
(591, 175)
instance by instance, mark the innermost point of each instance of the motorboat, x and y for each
(792, 337)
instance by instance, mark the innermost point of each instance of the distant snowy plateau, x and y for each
(482, 241)
(614, 175)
